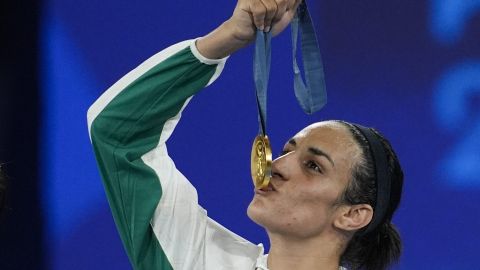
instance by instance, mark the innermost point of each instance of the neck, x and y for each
(320, 252)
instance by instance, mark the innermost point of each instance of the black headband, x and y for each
(383, 178)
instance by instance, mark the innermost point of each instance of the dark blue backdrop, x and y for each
(409, 68)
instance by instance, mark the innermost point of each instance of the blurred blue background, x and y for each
(408, 68)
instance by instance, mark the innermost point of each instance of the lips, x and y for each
(268, 188)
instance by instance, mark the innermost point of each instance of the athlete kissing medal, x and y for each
(311, 96)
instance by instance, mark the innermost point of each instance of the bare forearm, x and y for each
(221, 42)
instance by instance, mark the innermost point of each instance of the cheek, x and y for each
(302, 218)
(273, 211)
(303, 212)
(313, 207)
(308, 208)
(314, 195)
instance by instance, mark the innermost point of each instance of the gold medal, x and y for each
(261, 162)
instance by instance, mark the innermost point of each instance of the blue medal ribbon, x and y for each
(261, 73)
(311, 94)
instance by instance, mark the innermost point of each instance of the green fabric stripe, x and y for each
(124, 131)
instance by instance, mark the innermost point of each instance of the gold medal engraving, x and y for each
(261, 162)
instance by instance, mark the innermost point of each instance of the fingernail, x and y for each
(267, 29)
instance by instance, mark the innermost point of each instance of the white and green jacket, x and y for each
(154, 206)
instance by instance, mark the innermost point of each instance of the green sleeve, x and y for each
(128, 126)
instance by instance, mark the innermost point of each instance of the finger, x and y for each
(281, 9)
(287, 17)
(258, 11)
(271, 10)
(293, 4)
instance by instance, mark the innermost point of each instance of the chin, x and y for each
(256, 212)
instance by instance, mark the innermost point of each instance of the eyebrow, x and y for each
(292, 142)
(314, 151)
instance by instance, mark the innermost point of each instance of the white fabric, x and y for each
(189, 238)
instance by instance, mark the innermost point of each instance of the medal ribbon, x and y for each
(311, 94)
(261, 73)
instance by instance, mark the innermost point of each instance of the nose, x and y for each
(280, 167)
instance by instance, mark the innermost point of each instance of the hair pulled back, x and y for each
(382, 246)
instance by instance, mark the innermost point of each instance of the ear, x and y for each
(353, 217)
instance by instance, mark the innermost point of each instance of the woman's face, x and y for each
(307, 180)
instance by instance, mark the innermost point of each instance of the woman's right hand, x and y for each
(248, 16)
(265, 15)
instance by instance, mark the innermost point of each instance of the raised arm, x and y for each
(154, 206)
(133, 118)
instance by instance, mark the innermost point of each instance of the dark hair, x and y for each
(380, 246)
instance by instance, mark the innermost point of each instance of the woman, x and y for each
(330, 201)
